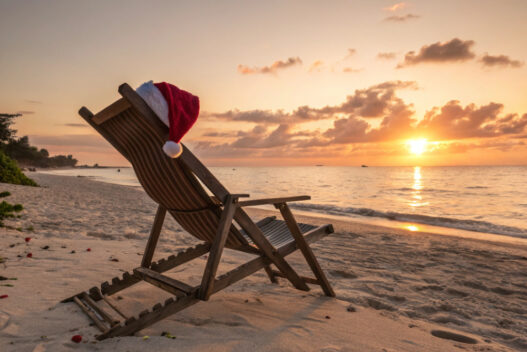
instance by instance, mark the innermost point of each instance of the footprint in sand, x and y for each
(442, 334)
(343, 274)
(454, 292)
(378, 305)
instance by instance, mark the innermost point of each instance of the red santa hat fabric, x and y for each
(178, 109)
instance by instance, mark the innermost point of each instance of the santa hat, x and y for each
(176, 108)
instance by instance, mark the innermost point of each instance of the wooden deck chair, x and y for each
(135, 131)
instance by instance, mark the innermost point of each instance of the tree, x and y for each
(20, 149)
(6, 133)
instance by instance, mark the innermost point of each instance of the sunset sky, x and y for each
(280, 82)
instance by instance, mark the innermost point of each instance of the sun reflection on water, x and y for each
(412, 228)
(417, 198)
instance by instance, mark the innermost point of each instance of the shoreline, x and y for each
(412, 226)
(399, 285)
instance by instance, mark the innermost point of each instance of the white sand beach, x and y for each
(395, 289)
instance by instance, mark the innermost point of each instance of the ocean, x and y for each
(485, 199)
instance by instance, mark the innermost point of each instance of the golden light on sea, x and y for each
(412, 228)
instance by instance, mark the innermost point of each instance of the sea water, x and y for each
(488, 199)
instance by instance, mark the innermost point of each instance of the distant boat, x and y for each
(319, 165)
(364, 166)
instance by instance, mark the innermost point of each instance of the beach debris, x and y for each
(167, 335)
(29, 255)
(7, 285)
(12, 245)
(3, 296)
(328, 317)
(76, 338)
(146, 337)
(351, 309)
(73, 251)
(88, 249)
(114, 259)
(27, 239)
(45, 247)
(63, 246)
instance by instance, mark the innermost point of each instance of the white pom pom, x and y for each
(172, 149)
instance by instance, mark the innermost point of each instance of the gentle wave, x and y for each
(469, 225)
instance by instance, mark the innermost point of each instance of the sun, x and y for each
(417, 146)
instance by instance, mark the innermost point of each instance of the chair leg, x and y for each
(305, 249)
(209, 275)
(270, 274)
(268, 250)
(154, 236)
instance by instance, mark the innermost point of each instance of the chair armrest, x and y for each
(248, 203)
(216, 200)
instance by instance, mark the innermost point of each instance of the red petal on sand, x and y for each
(27, 239)
(29, 255)
(3, 296)
(76, 338)
(88, 250)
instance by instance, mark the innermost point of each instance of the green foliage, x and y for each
(6, 133)
(11, 173)
(7, 210)
(20, 149)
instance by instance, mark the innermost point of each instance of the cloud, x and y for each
(316, 66)
(395, 7)
(402, 18)
(351, 52)
(70, 140)
(453, 121)
(25, 112)
(351, 70)
(220, 134)
(396, 123)
(272, 69)
(500, 60)
(371, 102)
(454, 50)
(32, 101)
(370, 120)
(75, 125)
(256, 116)
(386, 56)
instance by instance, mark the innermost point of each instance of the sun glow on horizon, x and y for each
(417, 146)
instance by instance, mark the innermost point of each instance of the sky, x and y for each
(374, 82)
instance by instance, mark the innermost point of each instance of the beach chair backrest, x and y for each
(135, 131)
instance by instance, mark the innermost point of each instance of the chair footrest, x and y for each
(166, 283)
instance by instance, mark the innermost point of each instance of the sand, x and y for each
(396, 290)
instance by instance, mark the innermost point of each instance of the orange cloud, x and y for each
(370, 116)
(402, 18)
(396, 7)
(351, 70)
(386, 56)
(500, 60)
(273, 68)
(454, 50)
(316, 66)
